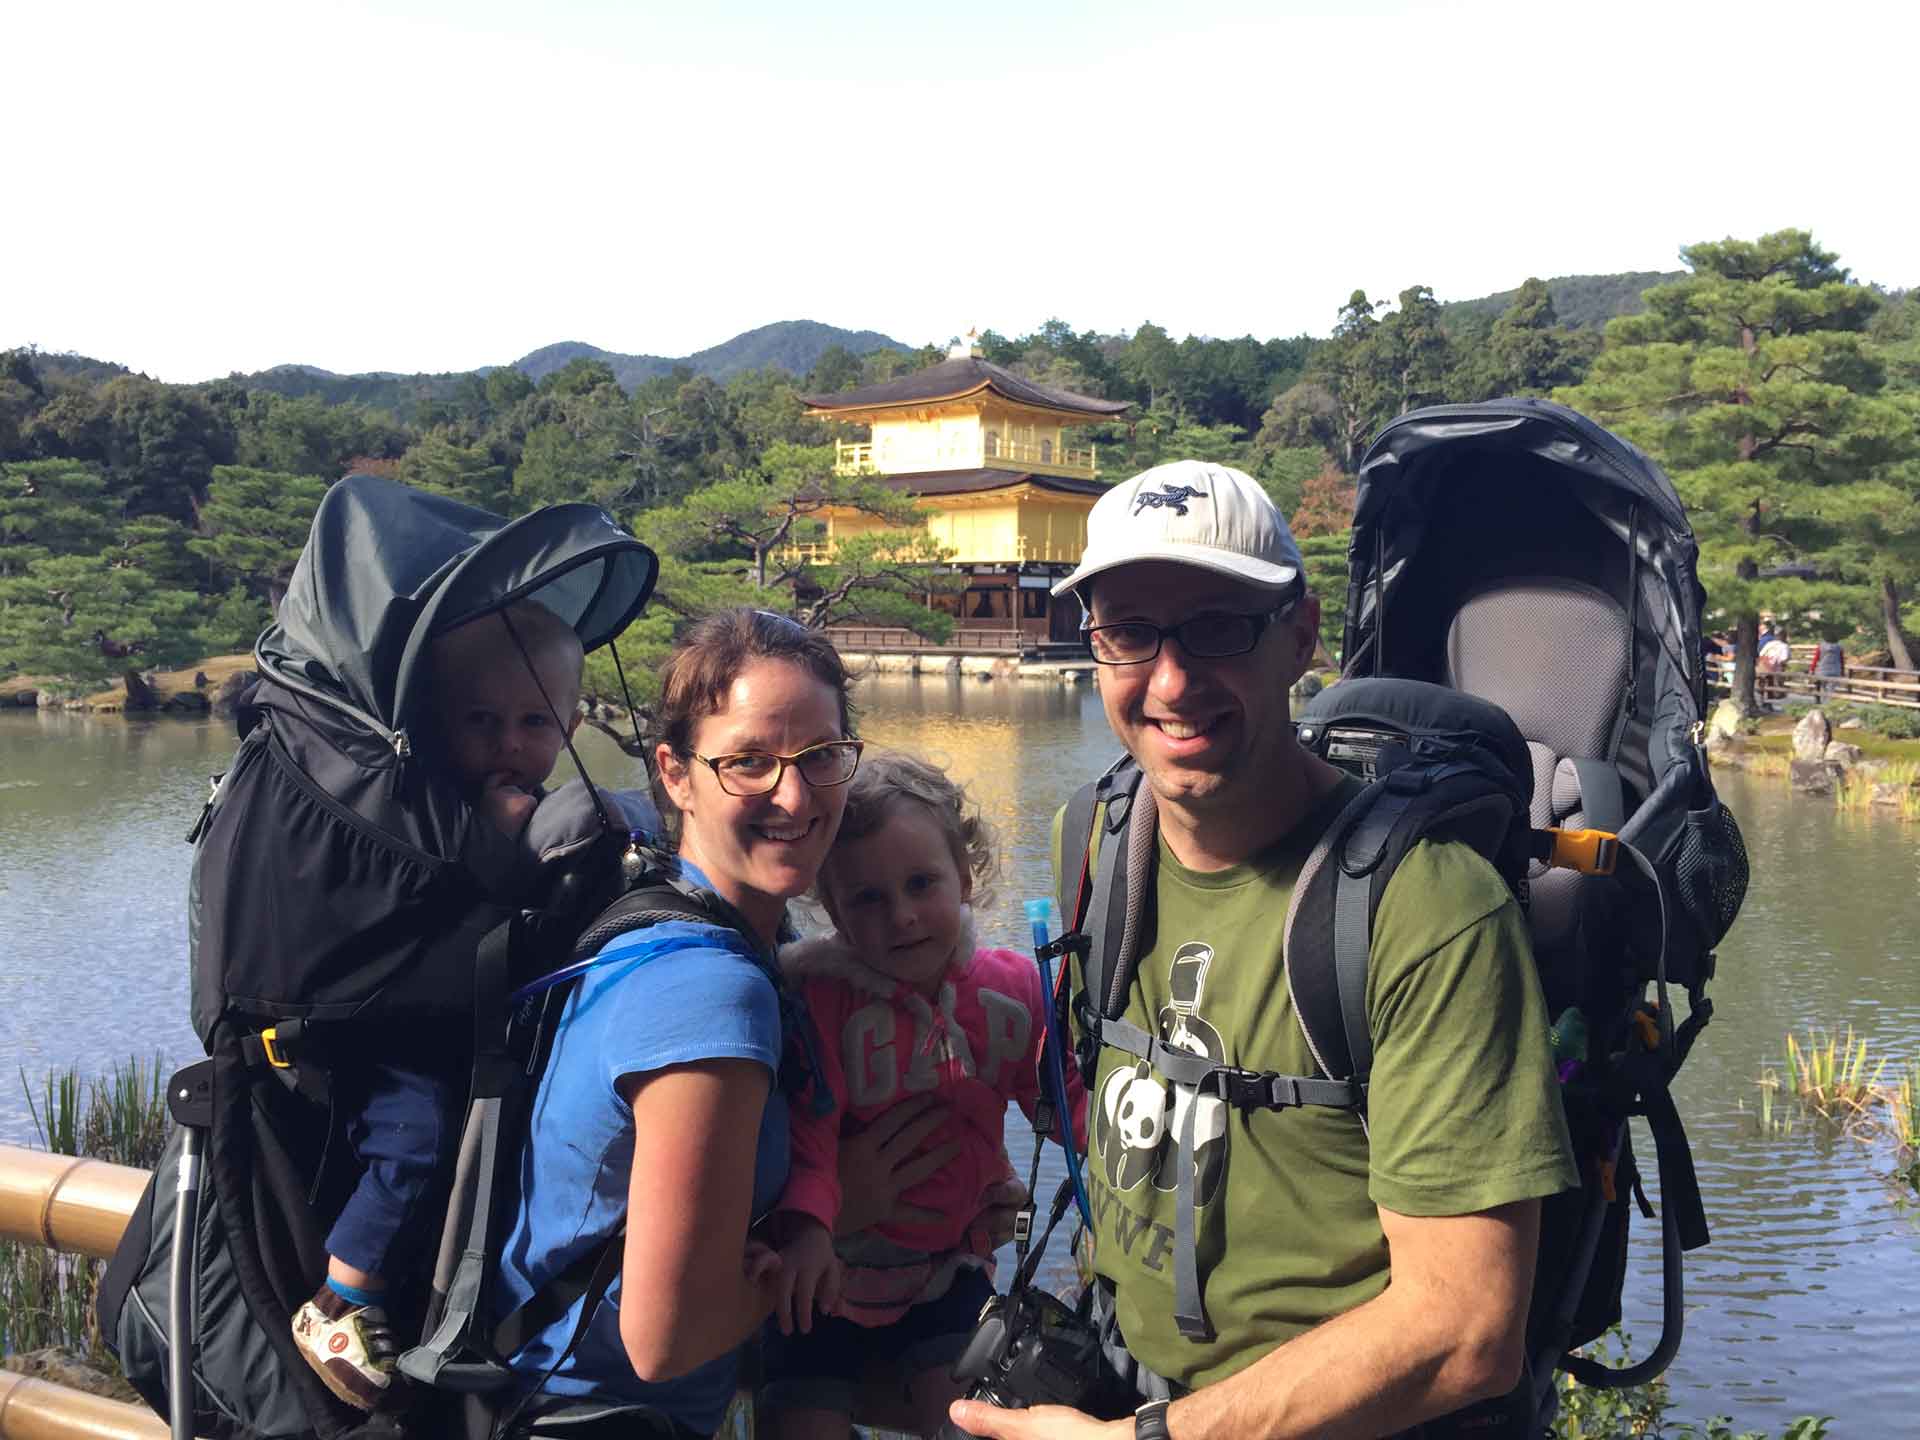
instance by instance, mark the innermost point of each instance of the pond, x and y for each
(1807, 1300)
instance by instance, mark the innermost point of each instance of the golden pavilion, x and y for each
(987, 453)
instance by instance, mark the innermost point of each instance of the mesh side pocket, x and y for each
(1710, 872)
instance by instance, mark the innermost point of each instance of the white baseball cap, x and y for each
(1191, 512)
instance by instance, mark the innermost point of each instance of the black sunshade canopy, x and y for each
(387, 567)
(1413, 470)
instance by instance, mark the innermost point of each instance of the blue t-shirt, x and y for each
(666, 995)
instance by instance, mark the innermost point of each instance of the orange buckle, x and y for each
(1591, 852)
(1648, 1027)
(269, 1039)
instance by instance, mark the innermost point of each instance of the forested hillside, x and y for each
(1584, 302)
(143, 524)
(790, 345)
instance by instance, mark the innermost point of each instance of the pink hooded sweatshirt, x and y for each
(976, 1045)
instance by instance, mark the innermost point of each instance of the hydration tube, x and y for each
(1054, 1062)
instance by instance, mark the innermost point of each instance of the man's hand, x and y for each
(810, 1277)
(880, 1163)
(1042, 1422)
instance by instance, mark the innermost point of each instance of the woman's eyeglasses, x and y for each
(755, 772)
(1204, 637)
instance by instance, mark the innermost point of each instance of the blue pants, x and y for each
(397, 1125)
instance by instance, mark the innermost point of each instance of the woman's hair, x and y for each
(888, 779)
(711, 655)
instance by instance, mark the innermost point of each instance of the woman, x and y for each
(677, 1038)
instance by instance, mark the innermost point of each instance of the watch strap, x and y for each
(1150, 1421)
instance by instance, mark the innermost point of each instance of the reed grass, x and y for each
(1903, 1106)
(1831, 1075)
(47, 1299)
(1772, 1118)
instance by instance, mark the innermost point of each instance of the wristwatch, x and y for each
(1150, 1421)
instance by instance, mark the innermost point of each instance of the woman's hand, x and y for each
(885, 1160)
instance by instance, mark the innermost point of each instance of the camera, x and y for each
(1029, 1348)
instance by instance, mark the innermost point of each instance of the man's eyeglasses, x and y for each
(755, 772)
(1204, 637)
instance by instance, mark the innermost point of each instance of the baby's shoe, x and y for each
(349, 1346)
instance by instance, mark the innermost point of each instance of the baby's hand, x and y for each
(762, 1261)
(809, 1278)
(505, 804)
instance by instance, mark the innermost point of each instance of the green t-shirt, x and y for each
(1463, 1110)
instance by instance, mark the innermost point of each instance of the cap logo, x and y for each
(1167, 497)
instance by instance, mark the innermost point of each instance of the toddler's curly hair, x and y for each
(889, 778)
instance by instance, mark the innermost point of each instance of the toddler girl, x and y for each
(904, 1004)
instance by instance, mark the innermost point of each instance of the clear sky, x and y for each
(198, 188)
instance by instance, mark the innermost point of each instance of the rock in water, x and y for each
(140, 694)
(1725, 721)
(1839, 752)
(1811, 736)
(1810, 777)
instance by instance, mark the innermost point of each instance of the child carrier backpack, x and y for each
(346, 903)
(1522, 674)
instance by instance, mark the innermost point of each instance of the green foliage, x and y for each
(467, 473)
(253, 525)
(57, 507)
(1325, 560)
(66, 617)
(230, 623)
(1893, 721)
(1639, 1412)
(306, 436)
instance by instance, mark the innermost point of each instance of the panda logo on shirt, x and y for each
(1137, 1121)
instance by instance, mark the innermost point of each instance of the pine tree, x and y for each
(1751, 383)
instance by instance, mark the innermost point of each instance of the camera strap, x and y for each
(1025, 1262)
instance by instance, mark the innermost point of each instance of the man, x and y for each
(1200, 622)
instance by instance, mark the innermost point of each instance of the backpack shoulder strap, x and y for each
(1328, 937)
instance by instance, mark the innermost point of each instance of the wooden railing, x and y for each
(855, 457)
(1859, 684)
(1053, 457)
(964, 640)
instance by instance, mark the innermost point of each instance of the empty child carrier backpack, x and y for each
(1522, 673)
(340, 889)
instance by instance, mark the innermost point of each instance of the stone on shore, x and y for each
(140, 694)
(1724, 722)
(1840, 753)
(187, 702)
(1812, 736)
(231, 689)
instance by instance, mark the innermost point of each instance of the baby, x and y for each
(506, 691)
(904, 1004)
